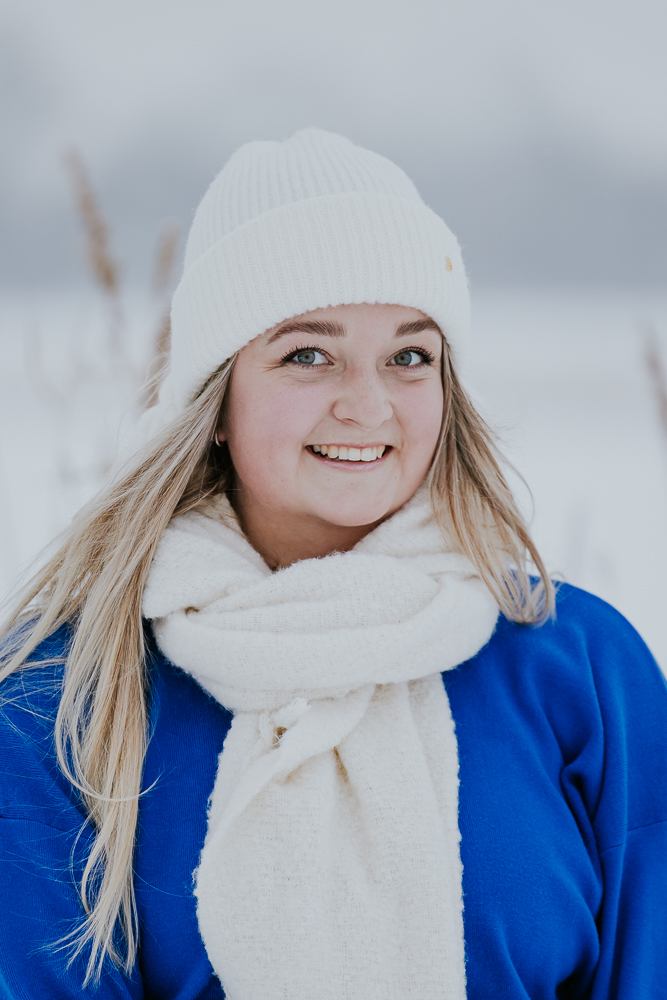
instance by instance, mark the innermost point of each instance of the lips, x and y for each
(347, 453)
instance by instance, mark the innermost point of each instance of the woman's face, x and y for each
(332, 419)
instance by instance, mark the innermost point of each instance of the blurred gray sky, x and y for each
(537, 128)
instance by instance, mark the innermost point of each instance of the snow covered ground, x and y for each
(561, 375)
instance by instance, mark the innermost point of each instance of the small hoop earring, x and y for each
(217, 443)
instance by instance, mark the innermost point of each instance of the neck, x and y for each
(282, 539)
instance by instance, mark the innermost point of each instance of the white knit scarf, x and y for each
(331, 867)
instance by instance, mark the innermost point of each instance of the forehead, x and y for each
(339, 321)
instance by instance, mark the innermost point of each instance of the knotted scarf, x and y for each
(331, 867)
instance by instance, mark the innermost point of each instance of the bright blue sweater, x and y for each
(562, 734)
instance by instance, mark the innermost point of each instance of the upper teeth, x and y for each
(344, 454)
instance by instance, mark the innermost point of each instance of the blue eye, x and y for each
(409, 359)
(308, 357)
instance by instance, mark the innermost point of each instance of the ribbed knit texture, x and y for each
(288, 227)
(262, 176)
(331, 866)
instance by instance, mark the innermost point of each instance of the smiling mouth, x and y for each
(345, 453)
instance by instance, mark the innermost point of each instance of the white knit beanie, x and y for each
(287, 227)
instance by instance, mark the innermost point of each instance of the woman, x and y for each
(257, 789)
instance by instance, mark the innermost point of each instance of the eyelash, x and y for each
(426, 355)
(299, 350)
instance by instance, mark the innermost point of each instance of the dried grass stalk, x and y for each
(165, 257)
(103, 265)
(657, 376)
(164, 266)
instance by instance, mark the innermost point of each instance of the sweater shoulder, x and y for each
(30, 696)
(32, 785)
(586, 673)
(579, 611)
(584, 633)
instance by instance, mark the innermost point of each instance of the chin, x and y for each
(355, 515)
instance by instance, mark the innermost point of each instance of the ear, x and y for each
(219, 436)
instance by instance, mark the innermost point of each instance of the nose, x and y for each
(363, 400)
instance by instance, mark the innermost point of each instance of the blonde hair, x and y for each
(95, 581)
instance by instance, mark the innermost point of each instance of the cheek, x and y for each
(421, 419)
(270, 427)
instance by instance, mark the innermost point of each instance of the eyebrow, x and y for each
(331, 328)
(319, 328)
(417, 326)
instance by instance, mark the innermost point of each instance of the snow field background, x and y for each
(561, 375)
